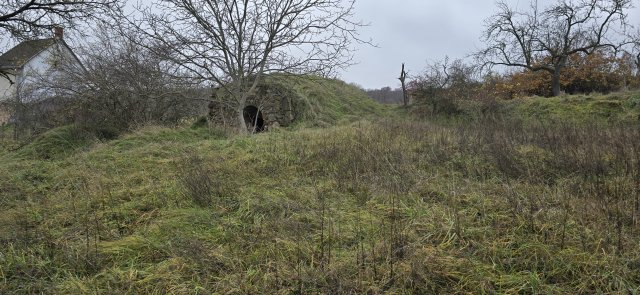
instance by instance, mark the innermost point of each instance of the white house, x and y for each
(24, 68)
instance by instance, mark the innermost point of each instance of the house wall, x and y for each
(41, 72)
(33, 82)
(33, 85)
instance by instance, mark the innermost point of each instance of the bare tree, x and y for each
(119, 85)
(232, 44)
(403, 77)
(635, 52)
(444, 83)
(544, 39)
(27, 18)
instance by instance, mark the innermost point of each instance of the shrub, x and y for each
(197, 181)
(601, 72)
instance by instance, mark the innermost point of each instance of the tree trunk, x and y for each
(555, 82)
(555, 75)
(242, 125)
(403, 76)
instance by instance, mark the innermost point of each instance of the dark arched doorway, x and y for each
(253, 119)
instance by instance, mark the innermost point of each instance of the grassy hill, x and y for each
(370, 205)
(619, 107)
(614, 107)
(328, 101)
(310, 101)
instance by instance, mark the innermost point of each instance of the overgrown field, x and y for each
(374, 206)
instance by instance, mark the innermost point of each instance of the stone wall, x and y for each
(276, 102)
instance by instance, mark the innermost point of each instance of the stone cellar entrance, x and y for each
(272, 105)
(253, 118)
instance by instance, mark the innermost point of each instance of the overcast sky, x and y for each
(417, 31)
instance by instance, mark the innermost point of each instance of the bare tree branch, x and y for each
(232, 43)
(24, 19)
(544, 39)
(28, 18)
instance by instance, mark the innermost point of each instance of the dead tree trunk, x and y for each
(403, 77)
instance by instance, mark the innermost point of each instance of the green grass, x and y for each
(7, 142)
(613, 108)
(363, 206)
(583, 108)
(56, 143)
(325, 102)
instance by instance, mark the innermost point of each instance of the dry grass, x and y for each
(385, 206)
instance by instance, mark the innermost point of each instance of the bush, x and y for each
(206, 186)
(197, 181)
(601, 72)
(443, 84)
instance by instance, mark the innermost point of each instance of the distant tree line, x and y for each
(386, 95)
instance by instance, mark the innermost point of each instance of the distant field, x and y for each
(538, 196)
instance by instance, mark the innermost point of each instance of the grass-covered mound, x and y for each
(615, 107)
(58, 142)
(367, 207)
(301, 100)
(621, 107)
(328, 101)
